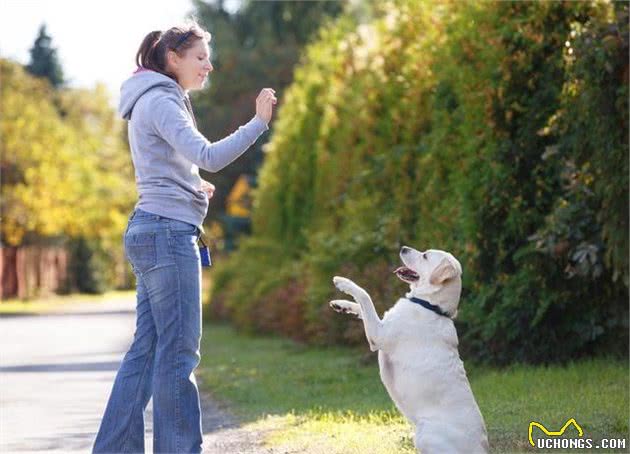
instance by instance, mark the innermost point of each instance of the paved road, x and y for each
(56, 373)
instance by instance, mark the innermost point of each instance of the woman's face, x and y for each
(192, 69)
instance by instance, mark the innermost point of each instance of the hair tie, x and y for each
(158, 39)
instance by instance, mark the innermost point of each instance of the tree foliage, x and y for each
(66, 171)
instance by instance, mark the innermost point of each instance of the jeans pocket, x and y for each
(141, 250)
(181, 227)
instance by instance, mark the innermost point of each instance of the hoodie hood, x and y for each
(139, 83)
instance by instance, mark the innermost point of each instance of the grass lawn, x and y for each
(324, 400)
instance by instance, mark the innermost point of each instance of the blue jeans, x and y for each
(164, 255)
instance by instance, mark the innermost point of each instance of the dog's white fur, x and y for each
(418, 357)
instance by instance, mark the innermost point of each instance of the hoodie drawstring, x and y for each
(190, 110)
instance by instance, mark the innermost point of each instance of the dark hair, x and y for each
(152, 52)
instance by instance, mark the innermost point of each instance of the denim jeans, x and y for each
(165, 259)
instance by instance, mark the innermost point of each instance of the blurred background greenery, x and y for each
(495, 130)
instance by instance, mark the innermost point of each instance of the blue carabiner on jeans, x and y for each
(204, 252)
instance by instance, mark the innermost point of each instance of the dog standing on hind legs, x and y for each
(417, 352)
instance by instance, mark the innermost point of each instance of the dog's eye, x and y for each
(424, 255)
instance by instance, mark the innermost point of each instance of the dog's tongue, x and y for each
(403, 271)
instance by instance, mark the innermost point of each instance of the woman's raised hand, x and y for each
(264, 104)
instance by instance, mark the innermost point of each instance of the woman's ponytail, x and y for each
(148, 55)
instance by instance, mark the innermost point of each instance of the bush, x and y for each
(468, 127)
(89, 266)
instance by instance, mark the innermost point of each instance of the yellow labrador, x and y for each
(417, 352)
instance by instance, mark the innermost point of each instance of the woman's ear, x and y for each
(443, 272)
(172, 59)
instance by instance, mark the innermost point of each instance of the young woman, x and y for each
(161, 241)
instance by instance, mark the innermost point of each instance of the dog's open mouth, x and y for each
(407, 274)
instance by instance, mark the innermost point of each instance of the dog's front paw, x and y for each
(349, 287)
(346, 307)
(344, 284)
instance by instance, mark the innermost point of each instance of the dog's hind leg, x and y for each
(346, 307)
(372, 323)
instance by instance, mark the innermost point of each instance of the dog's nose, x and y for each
(404, 250)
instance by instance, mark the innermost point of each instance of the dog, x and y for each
(417, 352)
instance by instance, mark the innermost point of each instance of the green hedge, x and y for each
(495, 130)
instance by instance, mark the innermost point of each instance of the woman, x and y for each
(161, 240)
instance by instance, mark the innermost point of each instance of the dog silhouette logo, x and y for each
(552, 433)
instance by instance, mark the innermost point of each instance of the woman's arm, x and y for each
(174, 125)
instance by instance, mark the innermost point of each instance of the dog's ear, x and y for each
(443, 272)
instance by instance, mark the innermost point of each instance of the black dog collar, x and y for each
(431, 307)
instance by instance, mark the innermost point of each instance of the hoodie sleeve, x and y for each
(174, 125)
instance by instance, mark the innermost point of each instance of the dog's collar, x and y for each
(431, 307)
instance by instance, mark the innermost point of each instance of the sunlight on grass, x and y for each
(338, 433)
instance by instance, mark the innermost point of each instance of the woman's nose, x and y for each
(210, 67)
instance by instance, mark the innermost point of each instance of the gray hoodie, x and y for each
(167, 150)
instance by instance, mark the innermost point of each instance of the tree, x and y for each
(44, 60)
(254, 47)
(67, 176)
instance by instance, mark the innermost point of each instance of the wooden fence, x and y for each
(29, 271)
